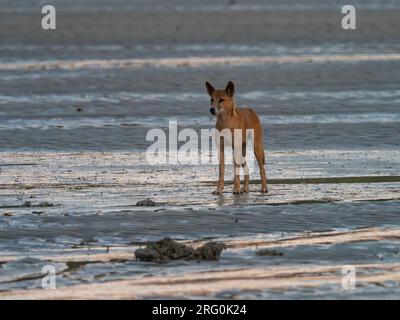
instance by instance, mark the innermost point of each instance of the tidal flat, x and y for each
(93, 226)
(75, 109)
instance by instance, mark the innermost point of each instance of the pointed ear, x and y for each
(230, 89)
(210, 88)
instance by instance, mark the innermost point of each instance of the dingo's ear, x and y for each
(230, 89)
(210, 88)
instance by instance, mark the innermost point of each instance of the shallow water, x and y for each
(75, 110)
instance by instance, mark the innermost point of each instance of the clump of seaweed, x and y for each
(146, 203)
(28, 204)
(167, 249)
(45, 205)
(209, 251)
(266, 252)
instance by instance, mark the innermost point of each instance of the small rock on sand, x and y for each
(167, 249)
(27, 204)
(146, 203)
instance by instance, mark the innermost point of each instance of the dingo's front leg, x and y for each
(237, 158)
(221, 157)
(245, 188)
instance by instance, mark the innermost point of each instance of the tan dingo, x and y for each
(231, 118)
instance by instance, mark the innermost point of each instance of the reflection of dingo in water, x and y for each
(233, 125)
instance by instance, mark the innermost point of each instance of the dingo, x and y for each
(230, 117)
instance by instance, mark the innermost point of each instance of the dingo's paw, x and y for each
(245, 190)
(264, 190)
(217, 191)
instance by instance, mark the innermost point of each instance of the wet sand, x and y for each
(310, 22)
(82, 218)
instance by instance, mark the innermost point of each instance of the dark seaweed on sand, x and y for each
(167, 249)
(146, 203)
(267, 252)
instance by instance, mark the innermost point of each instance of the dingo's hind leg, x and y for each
(260, 156)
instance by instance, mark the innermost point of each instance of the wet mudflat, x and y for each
(77, 212)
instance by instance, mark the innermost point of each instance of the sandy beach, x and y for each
(77, 104)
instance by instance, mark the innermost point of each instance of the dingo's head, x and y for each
(221, 100)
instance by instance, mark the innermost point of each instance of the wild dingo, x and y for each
(234, 119)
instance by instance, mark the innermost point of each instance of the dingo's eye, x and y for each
(221, 100)
(212, 100)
